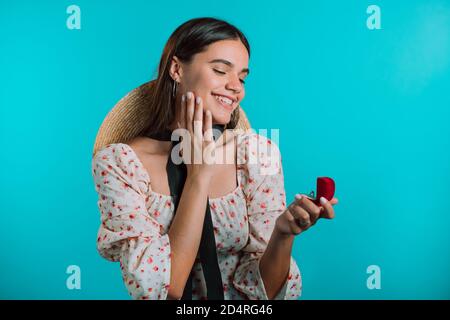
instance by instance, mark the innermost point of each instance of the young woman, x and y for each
(200, 229)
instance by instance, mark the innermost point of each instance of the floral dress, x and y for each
(135, 222)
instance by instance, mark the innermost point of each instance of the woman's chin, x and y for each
(221, 119)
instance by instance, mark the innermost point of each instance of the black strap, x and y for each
(207, 250)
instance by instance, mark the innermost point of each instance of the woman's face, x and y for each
(217, 76)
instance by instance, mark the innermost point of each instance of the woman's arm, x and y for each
(299, 216)
(186, 231)
(275, 262)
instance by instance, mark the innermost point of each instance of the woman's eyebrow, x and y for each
(228, 63)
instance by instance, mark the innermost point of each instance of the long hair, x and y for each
(188, 39)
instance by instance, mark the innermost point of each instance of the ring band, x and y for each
(301, 223)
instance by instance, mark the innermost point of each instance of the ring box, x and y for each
(325, 187)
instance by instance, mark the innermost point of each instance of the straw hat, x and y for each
(130, 116)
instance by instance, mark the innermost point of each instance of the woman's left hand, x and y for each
(303, 213)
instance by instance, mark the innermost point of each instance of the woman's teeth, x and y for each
(224, 100)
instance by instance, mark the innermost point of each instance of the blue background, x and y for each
(369, 108)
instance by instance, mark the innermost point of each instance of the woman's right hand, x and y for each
(198, 146)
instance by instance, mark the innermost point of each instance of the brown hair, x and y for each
(190, 38)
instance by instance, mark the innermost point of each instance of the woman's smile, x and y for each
(225, 102)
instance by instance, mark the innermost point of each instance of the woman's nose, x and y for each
(234, 84)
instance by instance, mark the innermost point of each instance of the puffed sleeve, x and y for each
(127, 232)
(263, 184)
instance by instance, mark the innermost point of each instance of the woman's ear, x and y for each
(176, 69)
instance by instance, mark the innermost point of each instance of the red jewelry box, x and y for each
(325, 188)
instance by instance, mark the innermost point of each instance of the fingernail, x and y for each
(189, 95)
(323, 200)
(298, 197)
(183, 98)
(197, 100)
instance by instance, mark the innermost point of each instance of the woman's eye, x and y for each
(218, 71)
(222, 73)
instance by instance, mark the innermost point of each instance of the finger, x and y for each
(198, 118)
(305, 217)
(182, 121)
(189, 112)
(328, 211)
(313, 215)
(301, 216)
(308, 204)
(334, 201)
(293, 226)
(312, 199)
(207, 126)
